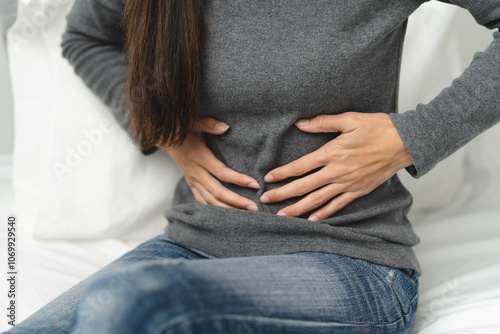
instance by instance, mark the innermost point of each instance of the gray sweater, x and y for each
(269, 63)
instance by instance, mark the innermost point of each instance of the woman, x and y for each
(282, 117)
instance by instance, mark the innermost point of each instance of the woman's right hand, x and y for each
(199, 166)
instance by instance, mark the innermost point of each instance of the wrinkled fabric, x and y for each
(270, 63)
(162, 286)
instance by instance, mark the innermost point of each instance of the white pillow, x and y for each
(33, 86)
(76, 178)
(77, 174)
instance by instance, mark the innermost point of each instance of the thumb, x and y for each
(326, 123)
(210, 125)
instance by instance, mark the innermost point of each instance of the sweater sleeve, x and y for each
(462, 111)
(93, 43)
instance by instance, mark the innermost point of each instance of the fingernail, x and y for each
(269, 178)
(252, 208)
(254, 185)
(221, 126)
(264, 199)
(302, 122)
(281, 214)
(314, 219)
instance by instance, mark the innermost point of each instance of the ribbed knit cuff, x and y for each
(417, 142)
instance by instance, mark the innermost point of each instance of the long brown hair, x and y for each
(164, 54)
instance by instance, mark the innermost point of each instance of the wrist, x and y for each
(402, 156)
(405, 158)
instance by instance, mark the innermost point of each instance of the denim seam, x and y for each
(249, 318)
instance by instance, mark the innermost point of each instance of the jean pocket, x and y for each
(404, 276)
(403, 282)
(411, 274)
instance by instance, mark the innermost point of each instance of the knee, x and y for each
(147, 294)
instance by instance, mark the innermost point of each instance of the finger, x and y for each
(224, 173)
(198, 196)
(296, 188)
(224, 195)
(298, 167)
(328, 123)
(313, 200)
(210, 125)
(334, 206)
(210, 199)
(228, 175)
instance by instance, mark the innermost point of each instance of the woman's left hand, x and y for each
(367, 153)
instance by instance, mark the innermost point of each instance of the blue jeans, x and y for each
(164, 287)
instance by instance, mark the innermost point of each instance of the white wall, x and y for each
(6, 108)
(438, 33)
(473, 36)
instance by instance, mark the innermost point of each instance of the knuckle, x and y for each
(349, 170)
(349, 114)
(299, 189)
(328, 152)
(278, 173)
(343, 171)
(321, 121)
(224, 174)
(365, 190)
(215, 192)
(192, 181)
(318, 198)
(211, 201)
(299, 168)
(340, 203)
(293, 211)
(274, 196)
(352, 117)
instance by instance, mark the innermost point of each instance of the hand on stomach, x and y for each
(367, 153)
(202, 170)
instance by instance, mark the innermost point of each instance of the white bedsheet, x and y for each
(47, 268)
(460, 287)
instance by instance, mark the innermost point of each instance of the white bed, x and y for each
(458, 221)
